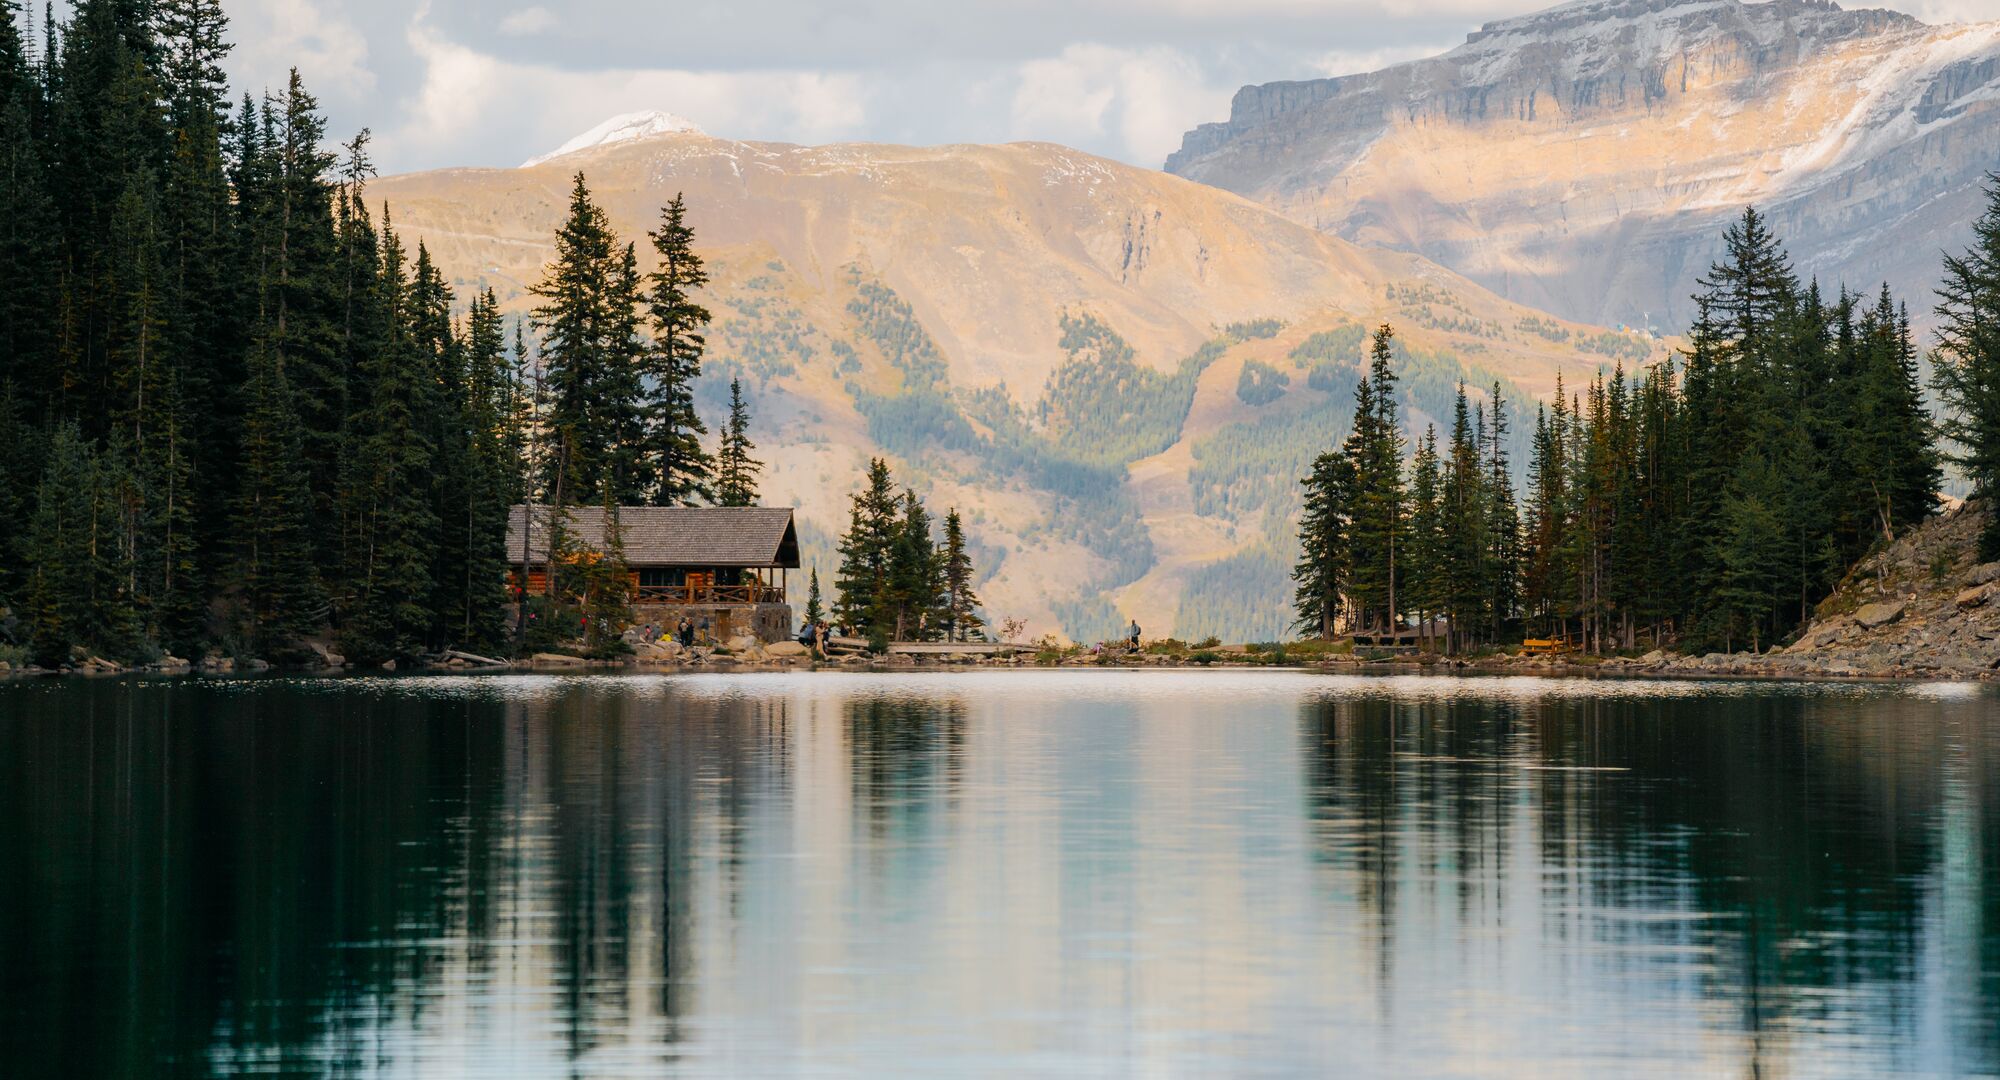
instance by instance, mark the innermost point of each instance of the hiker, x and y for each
(819, 639)
(1132, 636)
(685, 632)
(808, 633)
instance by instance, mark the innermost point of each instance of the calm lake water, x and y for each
(1161, 873)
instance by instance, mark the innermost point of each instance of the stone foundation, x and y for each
(765, 622)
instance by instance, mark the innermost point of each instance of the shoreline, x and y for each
(1718, 667)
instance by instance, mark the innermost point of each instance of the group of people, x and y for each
(813, 636)
(684, 632)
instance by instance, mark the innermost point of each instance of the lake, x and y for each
(1048, 873)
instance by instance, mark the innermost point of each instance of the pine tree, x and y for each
(396, 519)
(961, 608)
(1377, 527)
(1424, 576)
(1503, 522)
(490, 480)
(679, 467)
(915, 585)
(76, 589)
(866, 550)
(1463, 518)
(591, 353)
(1325, 565)
(735, 470)
(815, 606)
(278, 579)
(1967, 363)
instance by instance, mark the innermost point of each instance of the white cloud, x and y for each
(1140, 100)
(278, 35)
(528, 22)
(468, 100)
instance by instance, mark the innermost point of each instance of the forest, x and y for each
(1709, 501)
(238, 412)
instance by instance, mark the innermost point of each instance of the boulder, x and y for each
(388, 665)
(742, 643)
(785, 649)
(1977, 596)
(327, 657)
(1985, 574)
(1872, 616)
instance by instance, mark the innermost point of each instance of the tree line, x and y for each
(1711, 500)
(896, 582)
(238, 411)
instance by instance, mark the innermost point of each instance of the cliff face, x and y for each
(1584, 159)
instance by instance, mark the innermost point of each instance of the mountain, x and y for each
(1584, 159)
(621, 128)
(1119, 375)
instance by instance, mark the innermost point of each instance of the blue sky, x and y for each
(469, 82)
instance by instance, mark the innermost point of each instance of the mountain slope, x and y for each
(1053, 342)
(1584, 159)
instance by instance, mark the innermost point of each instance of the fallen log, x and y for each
(474, 658)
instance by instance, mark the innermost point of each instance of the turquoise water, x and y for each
(1051, 873)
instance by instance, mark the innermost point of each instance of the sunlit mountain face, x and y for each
(1584, 159)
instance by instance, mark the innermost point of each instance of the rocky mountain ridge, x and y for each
(1583, 159)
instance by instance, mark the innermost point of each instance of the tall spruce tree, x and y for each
(866, 550)
(735, 470)
(1376, 532)
(961, 606)
(592, 356)
(680, 470)
(391, 576)
(278, 578)
(1967, 362)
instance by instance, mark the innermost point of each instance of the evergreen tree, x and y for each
(915, 585)
(592, 356)
(279, 584)
(815, 605)
(77, 592)
(1967, 362)
(1376, 531)
(865, 604)
(396, 519)
(1503, 522)
(1425, 551)
(1462, 515)
(735, 470)
(680, 469)
(961, 608)
(1325, 565)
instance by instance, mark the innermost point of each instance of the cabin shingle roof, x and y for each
(718, 536)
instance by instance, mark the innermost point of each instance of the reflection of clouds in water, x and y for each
(1108, 686)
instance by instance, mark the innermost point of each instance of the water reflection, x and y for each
(1161, 872)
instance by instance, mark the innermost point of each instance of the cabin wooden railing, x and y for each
(748, 593)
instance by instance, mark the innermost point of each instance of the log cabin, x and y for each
(727, 568)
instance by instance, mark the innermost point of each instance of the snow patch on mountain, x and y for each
(625, 127)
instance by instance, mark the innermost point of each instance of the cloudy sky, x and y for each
(491, 82)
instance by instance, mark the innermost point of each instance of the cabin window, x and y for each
(662, 577)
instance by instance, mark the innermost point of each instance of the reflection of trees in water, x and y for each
(1381, 806)
(907, 756)
(209, 878)
(1822, 839)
